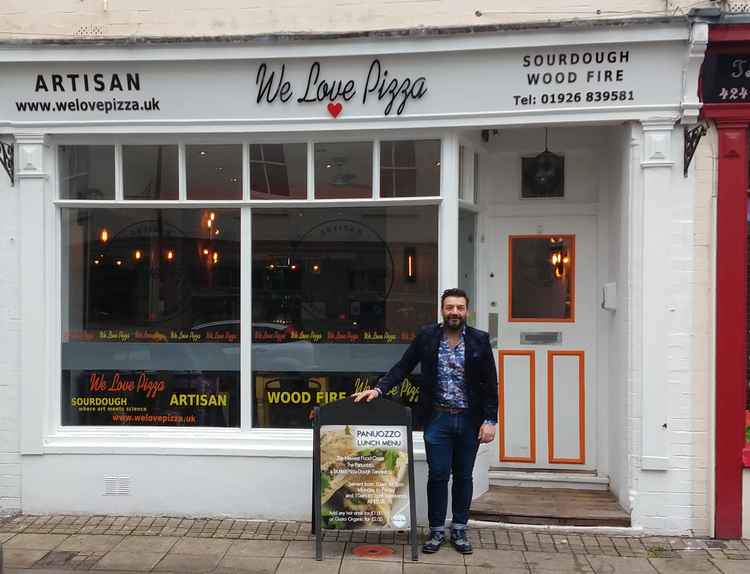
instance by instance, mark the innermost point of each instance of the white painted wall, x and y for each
(10, 349)
(251, 487)
(25, 19)
(677, 498)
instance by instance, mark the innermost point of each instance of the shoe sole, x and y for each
(460, 551)
(431, 551)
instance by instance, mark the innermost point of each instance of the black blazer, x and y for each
(479, 372)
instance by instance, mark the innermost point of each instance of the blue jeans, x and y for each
(451, 443)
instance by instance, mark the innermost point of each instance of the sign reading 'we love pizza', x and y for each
(273, 85)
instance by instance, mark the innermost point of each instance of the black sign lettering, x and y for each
(394, 92)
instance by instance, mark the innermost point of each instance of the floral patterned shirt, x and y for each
(450, 374)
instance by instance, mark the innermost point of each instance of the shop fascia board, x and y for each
(122, 50)
(275, 443)
(514, 118)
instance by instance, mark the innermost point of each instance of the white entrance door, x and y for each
(544, 294)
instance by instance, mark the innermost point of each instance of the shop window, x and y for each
(335, 303)
(278, 171)
(150, 317)
(87, 172)
(409, 168)
(150, 172)
(542, 278)
(214, 172)
(343, 170)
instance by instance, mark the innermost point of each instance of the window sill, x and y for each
(276, 443)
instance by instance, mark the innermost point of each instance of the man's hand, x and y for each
(486, 433)
(366, 395)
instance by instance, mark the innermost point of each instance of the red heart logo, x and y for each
(335, 109)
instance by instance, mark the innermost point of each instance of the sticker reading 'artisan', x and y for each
(129, 82)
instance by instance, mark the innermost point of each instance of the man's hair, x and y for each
(453, 293)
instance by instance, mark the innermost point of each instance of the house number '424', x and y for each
(734, 93)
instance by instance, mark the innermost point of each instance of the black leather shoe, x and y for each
(460, 541)
(433, 543)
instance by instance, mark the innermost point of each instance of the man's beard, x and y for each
(454, 323)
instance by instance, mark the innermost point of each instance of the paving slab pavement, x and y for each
(59, 544)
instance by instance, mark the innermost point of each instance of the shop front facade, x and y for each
(207, 240)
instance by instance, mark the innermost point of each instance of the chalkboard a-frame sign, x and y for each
(363, 469)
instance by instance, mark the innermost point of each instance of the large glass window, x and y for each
(151, 310)
(87, 172)
(337, 295)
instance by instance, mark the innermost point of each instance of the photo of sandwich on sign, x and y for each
(364, 479)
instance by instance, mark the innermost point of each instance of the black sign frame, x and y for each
(380, 412)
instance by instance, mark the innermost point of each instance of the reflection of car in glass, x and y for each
(272, 350)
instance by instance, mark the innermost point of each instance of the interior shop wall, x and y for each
(180, 485)
(25, 19)
(10, 349)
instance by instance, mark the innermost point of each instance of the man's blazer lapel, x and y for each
(468, 354)
(434, 346)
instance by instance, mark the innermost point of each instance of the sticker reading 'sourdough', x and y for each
(364, 483)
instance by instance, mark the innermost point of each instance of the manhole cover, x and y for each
(372, 551)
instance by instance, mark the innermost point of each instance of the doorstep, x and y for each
(549, 506)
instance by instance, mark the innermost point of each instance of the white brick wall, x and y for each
(678, 500)
(74, 18)
(10, 461)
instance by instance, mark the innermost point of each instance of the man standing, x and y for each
(458, 398)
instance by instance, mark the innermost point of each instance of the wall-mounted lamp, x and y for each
(560, 258)
(410, 264)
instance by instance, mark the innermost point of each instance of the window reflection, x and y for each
(87, 172)
(409, 168)
(343, 170)
(214, 171)
(278, 171)
(150, 172)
